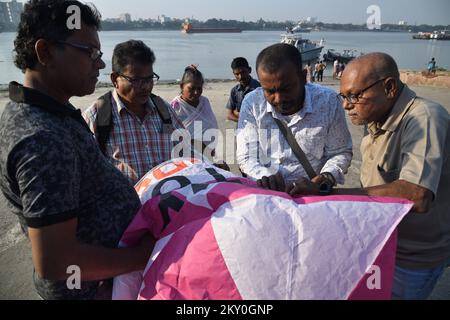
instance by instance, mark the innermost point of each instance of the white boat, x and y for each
(298, 29)
(311, 51)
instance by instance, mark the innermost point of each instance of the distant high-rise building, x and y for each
(125, 17)
(402, 23)
(311, 19)
(10, 11)
(163, 19)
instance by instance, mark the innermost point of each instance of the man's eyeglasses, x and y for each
(140, 81)
(354, 98)
(94, 53)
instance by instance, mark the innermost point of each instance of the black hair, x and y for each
(47, 19)
(274, 57)
(239, 62)
(191, 73)
(130, 52)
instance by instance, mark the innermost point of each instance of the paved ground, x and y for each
(15, 257)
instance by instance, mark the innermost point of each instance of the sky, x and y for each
(432, 12)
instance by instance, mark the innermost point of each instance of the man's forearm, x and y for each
(95, 263)
(421, 197)
(104, 263)
(337, 166)
(247, 158)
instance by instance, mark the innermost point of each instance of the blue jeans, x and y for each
(415, 284)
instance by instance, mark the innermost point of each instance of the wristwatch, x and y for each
(326, 187)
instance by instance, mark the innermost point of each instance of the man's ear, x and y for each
(44, 51)
(391, 88)
(113, 76)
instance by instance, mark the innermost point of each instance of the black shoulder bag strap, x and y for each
(287, 133)
(104, 120)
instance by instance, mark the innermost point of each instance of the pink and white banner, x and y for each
(220, 237)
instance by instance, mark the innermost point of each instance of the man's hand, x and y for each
(223, 166)
(275, 182)
(318, 179)
(233, 115)
(304, 186)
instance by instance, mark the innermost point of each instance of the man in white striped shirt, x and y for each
(313, 113)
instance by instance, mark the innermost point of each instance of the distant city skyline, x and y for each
(433, 12)
(348, 11)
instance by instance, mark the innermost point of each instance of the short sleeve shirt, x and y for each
(413, 145)
(52, 170)
(238, 94)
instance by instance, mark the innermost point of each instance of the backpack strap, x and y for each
(163, 112)
(103, 121)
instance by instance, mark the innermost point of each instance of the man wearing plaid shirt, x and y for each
(137, 141)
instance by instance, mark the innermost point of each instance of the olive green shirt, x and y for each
(413, 145)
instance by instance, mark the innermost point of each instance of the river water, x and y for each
(214, 52)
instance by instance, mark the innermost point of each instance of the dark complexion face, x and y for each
(285, 89)
(77, 72)
(134, 93)
(373, 104)
(191, 92)
(242, 75)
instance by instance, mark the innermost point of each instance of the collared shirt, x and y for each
(134, 145)
(414, 145)
(238, 94)
(319, 128)
(52, 171)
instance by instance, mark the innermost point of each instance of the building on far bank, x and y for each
(163, 19)
(10, 12)
(125, 17)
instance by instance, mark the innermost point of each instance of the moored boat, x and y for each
(187, 28)
(436, 35)
(298, 29)
(346, 56)
(310, 50)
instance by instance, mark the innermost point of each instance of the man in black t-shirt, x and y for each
(247, 84)
(73, 205)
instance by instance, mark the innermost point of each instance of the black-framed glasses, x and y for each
(94, 53)
(354, 98)
(140, 81)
